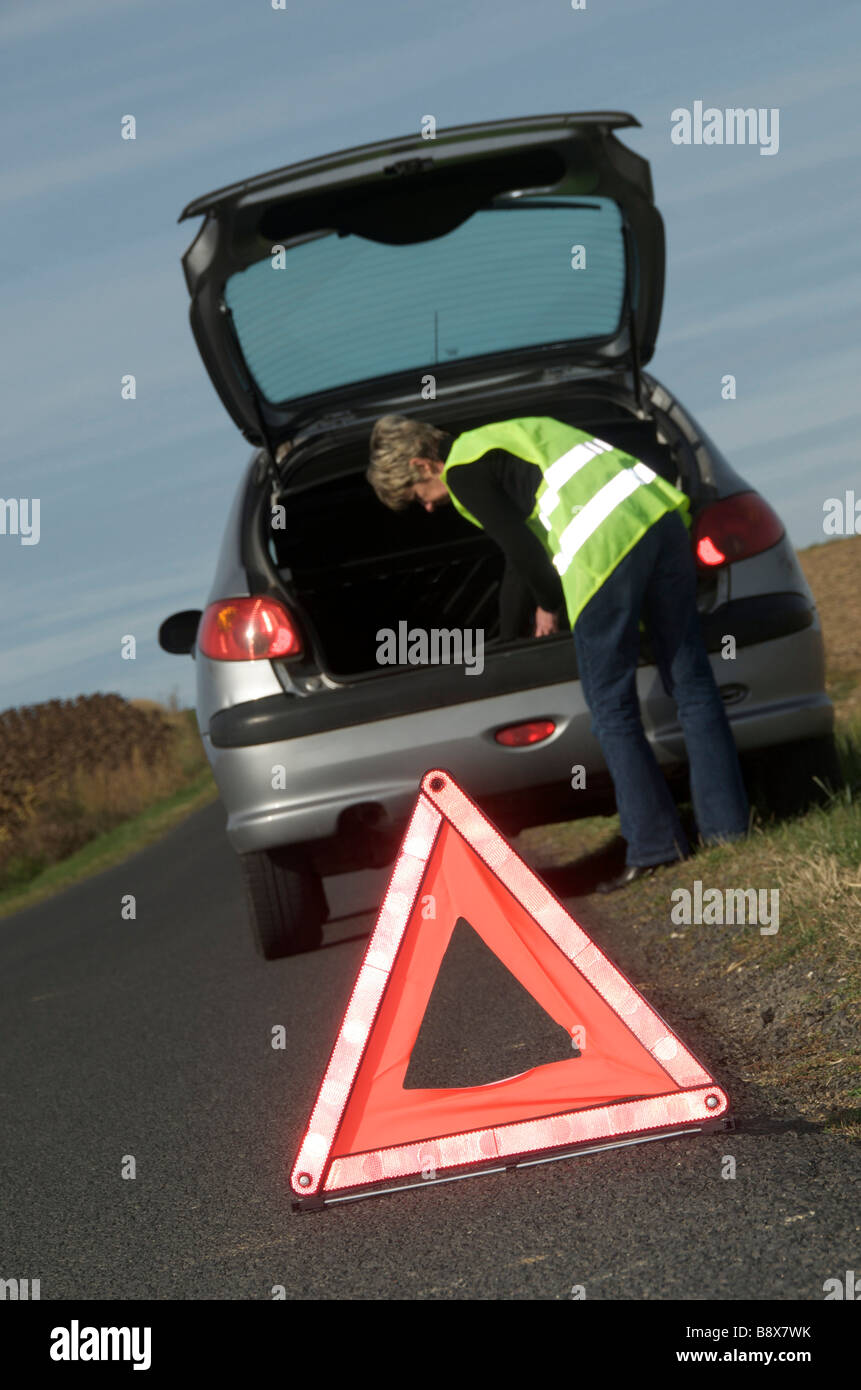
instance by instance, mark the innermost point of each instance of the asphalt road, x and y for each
(152, 1038)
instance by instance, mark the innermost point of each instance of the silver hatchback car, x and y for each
(498, 270)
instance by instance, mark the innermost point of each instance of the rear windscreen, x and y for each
(341, 309)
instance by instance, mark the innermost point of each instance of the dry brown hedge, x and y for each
(70, 769)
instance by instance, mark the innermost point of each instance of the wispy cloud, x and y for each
(766, 312)
(22, 19)
(330, 88)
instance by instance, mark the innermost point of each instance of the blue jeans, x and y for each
(657, 581)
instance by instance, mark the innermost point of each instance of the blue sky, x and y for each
(763, 280)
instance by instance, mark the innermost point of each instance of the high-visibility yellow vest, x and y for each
(593, 504)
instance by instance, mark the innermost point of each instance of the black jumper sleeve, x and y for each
(499, 490)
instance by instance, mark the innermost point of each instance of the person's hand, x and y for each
(545, 623)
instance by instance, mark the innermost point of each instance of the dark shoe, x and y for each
(630, 875)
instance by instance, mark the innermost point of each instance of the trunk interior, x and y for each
(352, 567)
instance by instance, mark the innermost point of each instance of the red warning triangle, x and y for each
(628, 1076)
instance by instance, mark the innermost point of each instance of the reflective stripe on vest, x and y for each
(587, 521)
(563, 470)
(593, 504)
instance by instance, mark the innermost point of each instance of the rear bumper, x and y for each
(296, 788)
(276, 718)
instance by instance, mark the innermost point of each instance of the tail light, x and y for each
(521, 735)
(248, 629)
(735, 529)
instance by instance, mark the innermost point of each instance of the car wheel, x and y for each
(286, 902)
(792, 777)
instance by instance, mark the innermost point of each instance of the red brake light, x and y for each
(247, 629)
(708, 553)
(734, 529)
(520, 735)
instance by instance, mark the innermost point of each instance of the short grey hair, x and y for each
(395, 439)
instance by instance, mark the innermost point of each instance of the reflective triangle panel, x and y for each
(628, 1072)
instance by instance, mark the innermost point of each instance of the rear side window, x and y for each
(520, 273)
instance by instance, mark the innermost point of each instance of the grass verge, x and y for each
(113, 846)
(778, 1014)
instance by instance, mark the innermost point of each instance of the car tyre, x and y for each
(286, 902)
(790, 778)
